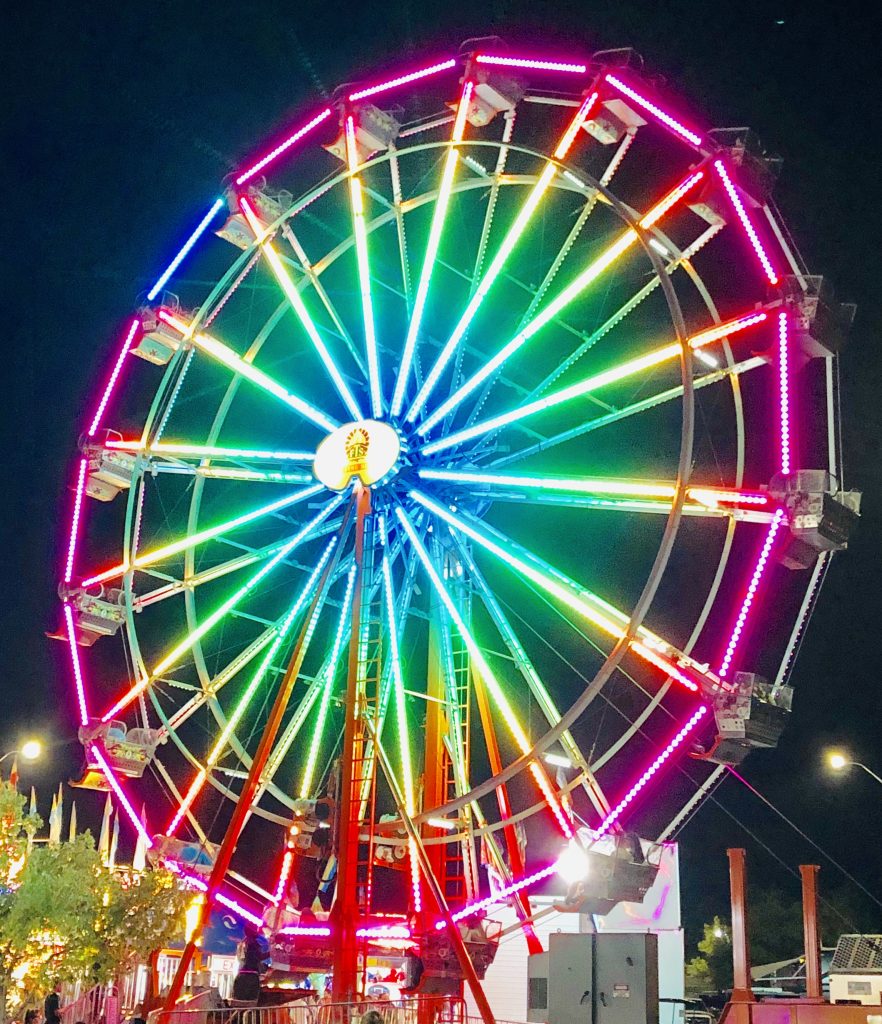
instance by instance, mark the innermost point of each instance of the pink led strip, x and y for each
(526, 62)
(123, 799)
(384, 932)
(293, 929)
(75, 658)
(665, 118)
(602, 829)
(111, 384)
(287, 861)
(296, 137)
(746, 223)
(414, 76)
(614, 815)
(75, 521)
(784, 392)
(758, 571)
(226, 901)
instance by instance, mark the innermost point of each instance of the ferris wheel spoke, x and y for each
(624, 310)
(601, 614)
(593, 271)
(624, 495)
(220, 744)
(439, 216)
(397, 199)
(295, 300)
(586, 386)
(531, 676)
(222, 611)
(317, 286)
(512, 237)
(226, 356)
(181, 450)
(477, 656)
(148, 558)
(359, 231)
(627, 411)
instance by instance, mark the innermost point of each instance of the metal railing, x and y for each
(312, 1010)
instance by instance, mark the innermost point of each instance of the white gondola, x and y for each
(158, 341)
(127, 751)
(269, 207)
(618, 869)
(821, 517)
(190, 856)
(750, 717)
(97, 611)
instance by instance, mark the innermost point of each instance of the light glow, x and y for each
(290, 141)
(537, 65)
(438, 217)
(146, 838)
(364, 269)
(511, 239)
(656, 111)
(564, 298)
(750, 594)
(393, 83)
(297, 304)
(838, 762)
(185, 248)
(784, 392)
(114, 376)
(237, 364)
(573, 864)
(75, 520)
(746, 222)
(176, 547)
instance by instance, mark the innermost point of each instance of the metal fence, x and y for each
(311, 1010)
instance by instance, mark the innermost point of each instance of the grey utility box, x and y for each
(594, 979)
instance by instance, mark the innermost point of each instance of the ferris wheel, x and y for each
(494, 470)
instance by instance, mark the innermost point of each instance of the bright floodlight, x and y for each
(31, 750)
(838, 761)
(572, 864)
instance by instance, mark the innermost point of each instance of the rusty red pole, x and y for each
(741, 990)
(809, 873)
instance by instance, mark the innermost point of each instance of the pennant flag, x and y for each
(73, 822)
(114, 843)
(55, 822)
(104, 837)
(139, 861)
(13, 773)
(32, 810)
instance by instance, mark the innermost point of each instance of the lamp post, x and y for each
(28, 751)
(839, 762)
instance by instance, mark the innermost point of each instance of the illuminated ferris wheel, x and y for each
(496, 469)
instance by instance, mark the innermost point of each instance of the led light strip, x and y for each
(121, 796)
(563, 593)
(185, 248)
(222, 898)
(393, 83)
(204, 451)
(438, 217)
(176, 547)
(746, 222)
(284, 875)
(114, 376)
(537, 65)
(237, 364)
(75, 520)
(484, 669)
(749, 596)
(784, 392)
(656, 111)
(563, 299)
(356, 198)
(290, 141)
(512, 237)
(75, 658)
(588, 384)
(297, 304)
(318, 931)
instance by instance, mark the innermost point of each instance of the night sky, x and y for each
(119, 120)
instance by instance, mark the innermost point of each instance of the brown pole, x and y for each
(741, 990)
(809, 873)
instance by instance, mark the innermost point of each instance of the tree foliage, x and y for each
(67, 917)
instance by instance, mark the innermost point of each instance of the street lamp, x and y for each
(30, 750)
(839, 762)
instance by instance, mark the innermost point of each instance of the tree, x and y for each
(66, 917)
(711, 972)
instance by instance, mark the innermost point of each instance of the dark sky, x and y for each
(118, 120)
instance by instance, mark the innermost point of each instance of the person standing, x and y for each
(52, 1005)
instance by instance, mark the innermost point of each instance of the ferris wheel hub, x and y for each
(365, 449)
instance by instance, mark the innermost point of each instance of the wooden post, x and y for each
(812, 940)
(741, 989)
